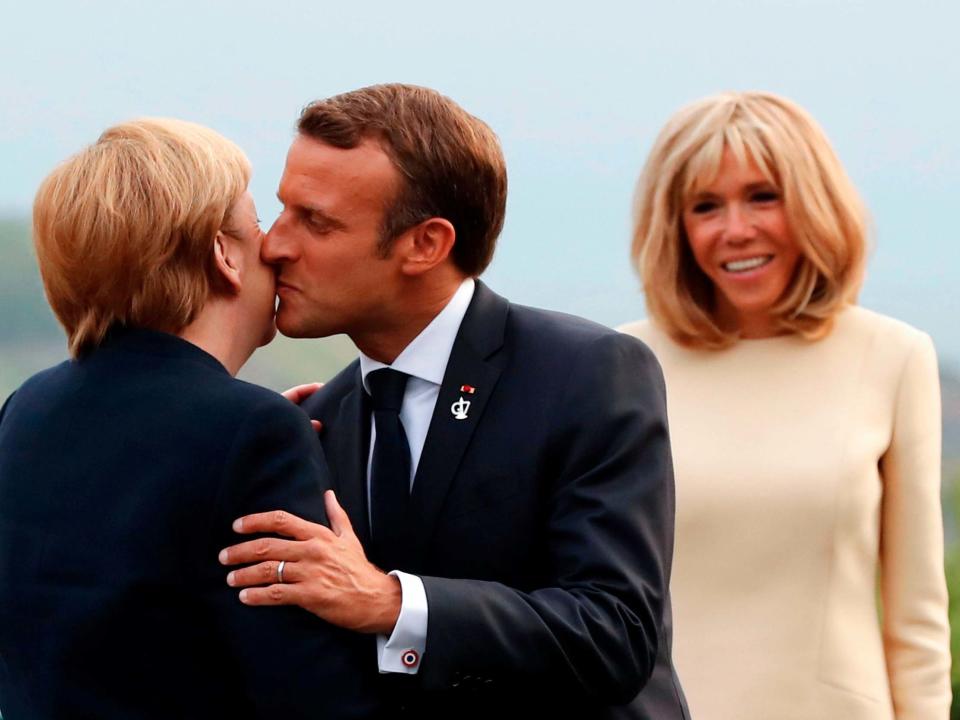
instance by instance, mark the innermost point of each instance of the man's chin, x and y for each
(269, 335)
(292, 329)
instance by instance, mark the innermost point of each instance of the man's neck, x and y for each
(406, 321)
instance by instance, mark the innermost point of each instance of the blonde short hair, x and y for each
(824, 214)
(124, 230)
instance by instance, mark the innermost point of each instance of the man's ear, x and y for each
(226, 256)
(426, 245)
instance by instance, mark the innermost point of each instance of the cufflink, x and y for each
(410, 658)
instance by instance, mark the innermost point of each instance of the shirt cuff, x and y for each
(402, 652)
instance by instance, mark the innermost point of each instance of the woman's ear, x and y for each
(427, 245)
(226, 256)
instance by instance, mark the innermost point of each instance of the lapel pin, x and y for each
(469, 389)
(460, 408)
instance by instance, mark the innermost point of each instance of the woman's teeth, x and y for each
(737, 266)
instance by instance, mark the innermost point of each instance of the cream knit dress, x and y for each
(808, 491)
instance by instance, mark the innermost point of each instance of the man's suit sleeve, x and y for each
(609, 536)
(292, 664)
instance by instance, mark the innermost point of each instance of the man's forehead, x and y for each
(367, 158)
(315, 167)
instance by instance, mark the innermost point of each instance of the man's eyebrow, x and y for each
(317, 215)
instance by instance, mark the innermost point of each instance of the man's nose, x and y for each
(276, 247)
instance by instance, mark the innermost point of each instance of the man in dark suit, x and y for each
(122, 469)
(509, 466)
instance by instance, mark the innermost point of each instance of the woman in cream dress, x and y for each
(808, 573)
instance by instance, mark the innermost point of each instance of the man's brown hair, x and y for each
(451, 163)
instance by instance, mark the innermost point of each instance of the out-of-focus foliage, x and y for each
(25, 314)
(951, 508)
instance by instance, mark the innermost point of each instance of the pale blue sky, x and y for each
(575, 91)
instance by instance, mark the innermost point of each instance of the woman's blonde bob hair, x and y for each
(124, 230)
(824, 213)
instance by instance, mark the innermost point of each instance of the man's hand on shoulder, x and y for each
(324, 570)
(298, 393)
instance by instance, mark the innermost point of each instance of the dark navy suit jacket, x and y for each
(541, 524)
(120, 475)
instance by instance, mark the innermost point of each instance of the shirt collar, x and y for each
(427, 354)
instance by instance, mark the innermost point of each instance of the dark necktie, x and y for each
(389, 470)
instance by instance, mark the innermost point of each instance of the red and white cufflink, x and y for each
(410, 658)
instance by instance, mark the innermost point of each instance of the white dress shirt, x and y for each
(425, 361)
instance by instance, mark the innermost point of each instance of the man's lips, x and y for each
(284, 286)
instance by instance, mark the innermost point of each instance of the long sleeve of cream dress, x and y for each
(806, 473)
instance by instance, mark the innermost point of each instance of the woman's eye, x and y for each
(765, 196)
(702, 207)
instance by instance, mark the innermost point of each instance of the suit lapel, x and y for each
(471, 363)
(353, 432)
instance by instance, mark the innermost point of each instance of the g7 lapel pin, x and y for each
(461, 407)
